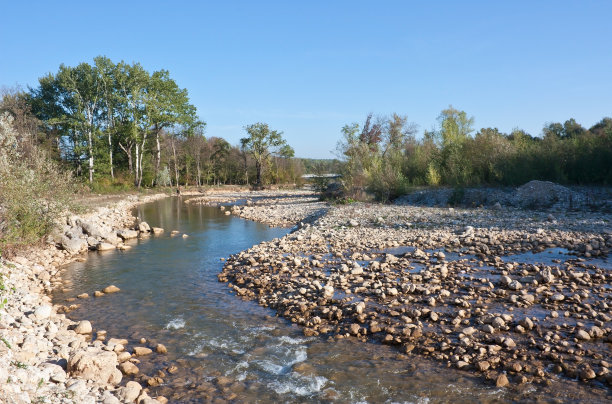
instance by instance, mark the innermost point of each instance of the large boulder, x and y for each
(130, 392)
(112, 238)
(74, 246)
(105, 247)
(74, 232)
(127, 234)
(99, 366)
(144, 227)
(94, 229)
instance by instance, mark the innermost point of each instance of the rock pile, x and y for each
(79, 235)
(532, 195)
(443, 284)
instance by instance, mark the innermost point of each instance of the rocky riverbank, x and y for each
(517, 296)
(46, 357)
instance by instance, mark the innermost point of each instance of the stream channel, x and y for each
(231, 350)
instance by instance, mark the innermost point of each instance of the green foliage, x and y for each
(457, 196)
(106, 185)
(19, 364)
(375, 157)
(8, 345)
(97, 111)
(450, 155)
(163, 177)
(263, 143)
(34, 191)
(321, 183)
(322, 166)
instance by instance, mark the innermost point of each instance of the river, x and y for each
(231, 349)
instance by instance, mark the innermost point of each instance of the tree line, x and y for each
(116, 123)
(383, 156)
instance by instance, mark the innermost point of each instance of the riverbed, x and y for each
(227, 348)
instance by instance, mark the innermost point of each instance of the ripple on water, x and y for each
(175, 323)
(299, 385)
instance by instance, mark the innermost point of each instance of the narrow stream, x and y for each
(231, 349)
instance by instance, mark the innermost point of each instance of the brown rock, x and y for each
(502, 380)
(583, 335)
(130, 392)
(154, 381)
(111, 289)
(100, 367)
(124, 356)
(161, 349)
(128, 368)
(587, 374)
(142, 351)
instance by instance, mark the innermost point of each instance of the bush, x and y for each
(163, 177)
(457, 197)
(34, 191)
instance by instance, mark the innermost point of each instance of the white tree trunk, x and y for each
(175, 163)
(110, 154)
(91, 158)
(139, 168)
(157, 155)
(136, 169)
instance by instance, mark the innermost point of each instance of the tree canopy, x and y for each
(262, 143)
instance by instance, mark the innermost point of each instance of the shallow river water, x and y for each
(227, 348)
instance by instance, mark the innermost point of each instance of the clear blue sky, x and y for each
(309, 67)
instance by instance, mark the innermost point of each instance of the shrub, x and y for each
(457, 197)
(34, 191)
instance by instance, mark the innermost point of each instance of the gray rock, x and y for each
(144, 227)
(73, 246)
(105, 247)
(43, 312)
(127, 234)
(93, 229)
(583, 335)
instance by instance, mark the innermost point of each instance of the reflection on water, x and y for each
(226, 347)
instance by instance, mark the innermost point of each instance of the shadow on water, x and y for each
(170, 294)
